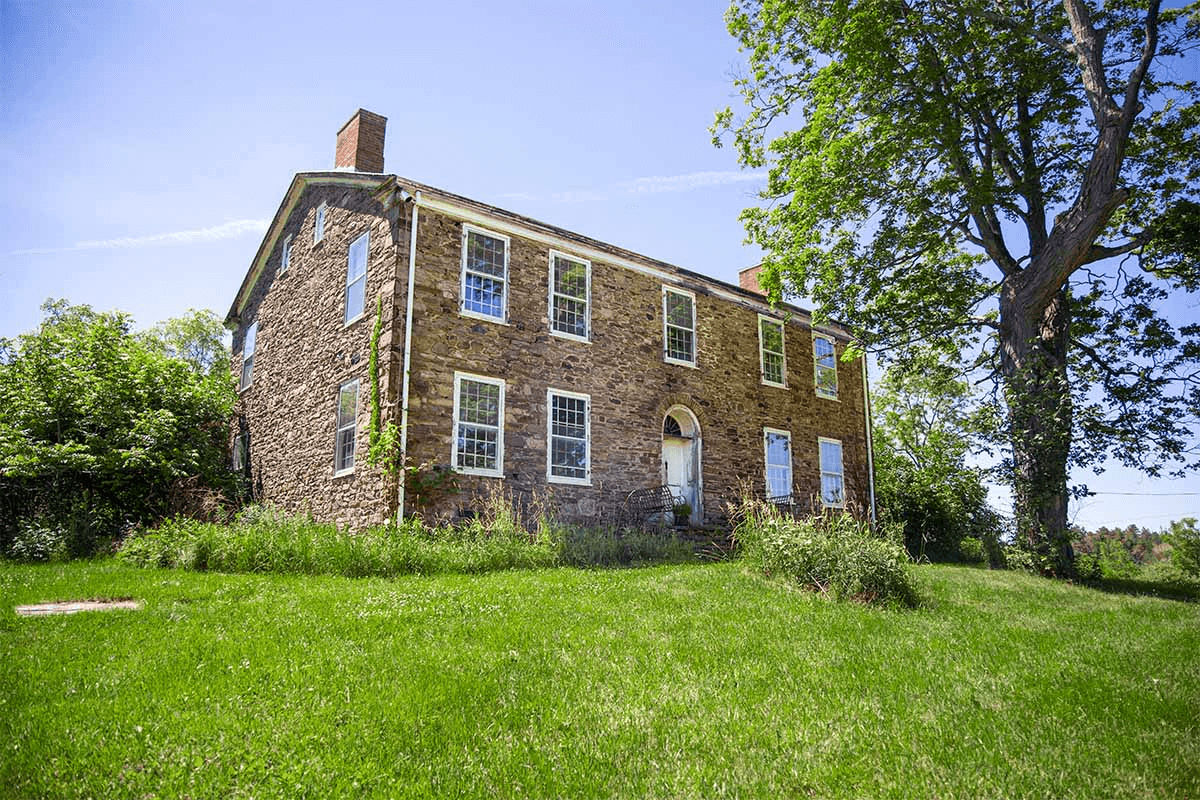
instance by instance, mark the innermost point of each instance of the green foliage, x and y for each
(197, 339)
(97, 424)
(1184, 537)
(956, 174)
(263, 539)
(834, 554)
(926, 424)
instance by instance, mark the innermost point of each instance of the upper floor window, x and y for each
(569, 437)
(570, 289)
(478, 425)
(319, 226)
(484, 274)
(347, 426)
(248, 355)
(825, 363)
(833, 485)
(777, 449)
(770, 351)
(285, 260)
(679, 327)
(356, 278)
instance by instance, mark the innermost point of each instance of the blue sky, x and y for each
(144, 144)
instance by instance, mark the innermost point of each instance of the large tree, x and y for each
(1012, 176)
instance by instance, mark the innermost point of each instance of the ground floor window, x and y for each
(777, 446)
(569, 437)
(478, 425)
(347, 426)
(833, 488)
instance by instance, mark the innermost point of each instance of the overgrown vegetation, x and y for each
(262, 539)
(102, 427)
(832, 553)
(689, 681)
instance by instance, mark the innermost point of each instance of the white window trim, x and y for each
(366, 271)
(319, 224)
(767, 431)
(241, 452)
(498, 472)
(817, 368)
(462, 277)
(762, 351)
(337, 435)
(695, 338)
(244, 384)
(587, 298)
(587, 432)
(285, 260)
(822, 471)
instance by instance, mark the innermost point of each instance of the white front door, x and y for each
(679, 464)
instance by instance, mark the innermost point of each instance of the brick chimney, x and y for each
(360, 142)
(748, 279)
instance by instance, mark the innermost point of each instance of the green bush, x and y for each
(1184, 537)
(971, 551)
(835, 554)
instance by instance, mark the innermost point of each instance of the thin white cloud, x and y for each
(656, 184)
(216, 233)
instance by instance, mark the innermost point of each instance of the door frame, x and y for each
(689, 425)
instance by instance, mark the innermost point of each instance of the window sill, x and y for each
(774, 385)
(479, 473)
(242, 389)
(353, 320)
(678, 363)
(569, 481)
(342, 473)
(832, 397)
(476, 315)
(570, 336)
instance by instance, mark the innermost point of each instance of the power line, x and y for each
(1150, 494)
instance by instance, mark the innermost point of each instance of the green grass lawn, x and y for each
(680, 681)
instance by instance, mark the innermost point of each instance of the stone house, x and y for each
(522, 357)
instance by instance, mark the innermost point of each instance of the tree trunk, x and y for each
(1034, 345)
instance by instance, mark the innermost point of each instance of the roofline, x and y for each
(464, 207)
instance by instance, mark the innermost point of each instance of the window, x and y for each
(485, 274)
(356, 277)
(833, 489)
(679, 327)
(569, 436)
(770, 350)
(825, 361)
(777, 446)
(240, 451)
(347, 412)
(319, 226)
(248, 355)
(285, 260)
(570, 285)
(478, 425)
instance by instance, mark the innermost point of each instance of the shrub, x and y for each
(833, 553)
(1184, 537)
(39, 540)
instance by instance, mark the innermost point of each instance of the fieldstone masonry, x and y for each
(305, 352)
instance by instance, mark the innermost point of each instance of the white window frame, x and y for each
(587, 440)
(498, 472)
(587, 297)
(365, 238)
(240, 452)
(338, 467)
(668, 290)
(818, 366)
(285, 260)
(840, 473)
(791, 474)
(462, 289)
(763, 319)
(319, 224)
(247, 376)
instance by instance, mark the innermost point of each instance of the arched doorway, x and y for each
(681, 458)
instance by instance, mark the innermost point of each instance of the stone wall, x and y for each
(305, 352)
(623, 371)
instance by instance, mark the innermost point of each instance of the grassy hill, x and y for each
(680, 681)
